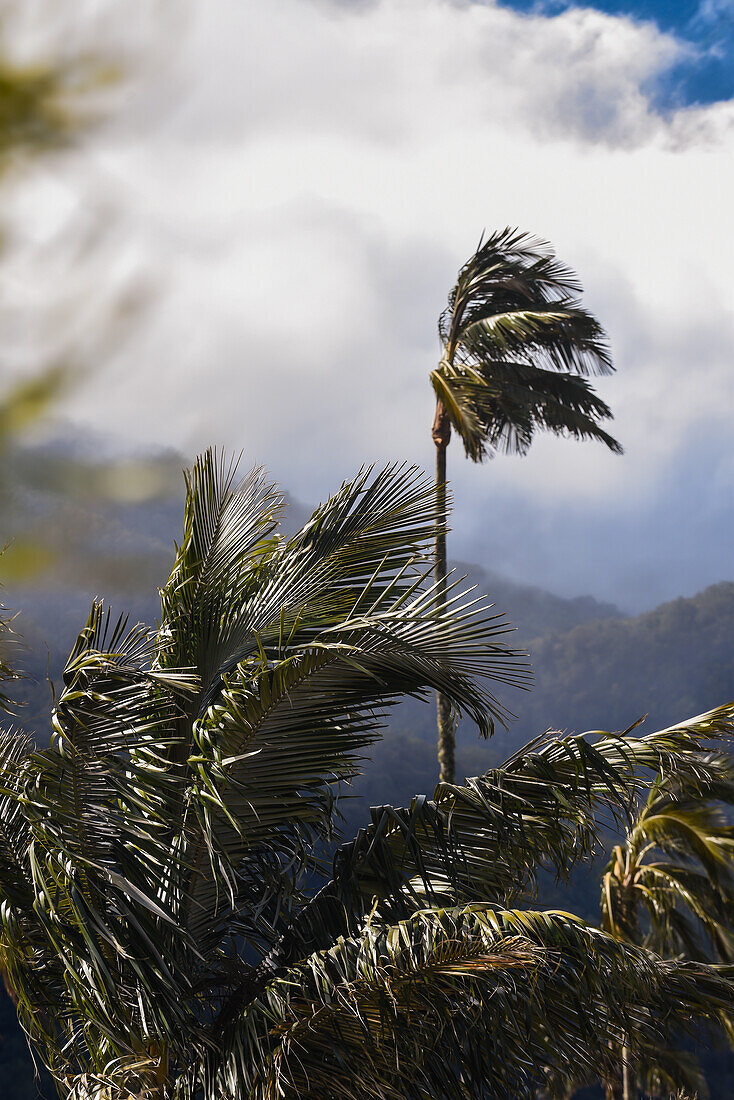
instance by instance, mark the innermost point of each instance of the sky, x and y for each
(704, 73)
(254, 247)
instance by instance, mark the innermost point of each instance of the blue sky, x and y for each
(707, 75)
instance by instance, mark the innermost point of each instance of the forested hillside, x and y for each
(671, 662)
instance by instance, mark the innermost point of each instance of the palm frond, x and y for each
(500, 407)
(471, 1002)
(677, 866)
(513, 318)
(564, 337)
(487, 838)
(228, 524)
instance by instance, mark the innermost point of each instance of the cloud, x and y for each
(303, 179)
(373, 71)
(714, 11)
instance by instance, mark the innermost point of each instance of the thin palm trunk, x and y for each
(441, 432)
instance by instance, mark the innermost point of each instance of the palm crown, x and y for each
(517, 345)
(169, 926)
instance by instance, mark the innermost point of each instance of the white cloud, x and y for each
(304, 179)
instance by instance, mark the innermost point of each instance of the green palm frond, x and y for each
(100, 919)
(670, 886)
(17, 893)
(488, 837)
(516, 345)
(228, 526)
(515, 284)
(677, 865)
(471, 1002)
(502, 411)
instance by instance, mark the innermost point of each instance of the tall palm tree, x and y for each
(168, 923)
(670, 886)
(516, 345)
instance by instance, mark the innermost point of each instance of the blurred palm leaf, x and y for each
(32, 114)
(43, 104)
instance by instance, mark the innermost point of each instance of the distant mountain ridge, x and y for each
(669, 663)
(534, 611)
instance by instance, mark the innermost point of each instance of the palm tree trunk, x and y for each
(441, 433)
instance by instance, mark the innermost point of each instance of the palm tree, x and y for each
(670, 886)
(516, 345)
(168, 922)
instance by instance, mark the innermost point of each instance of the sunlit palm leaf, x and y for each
(670, 885)
(487, 838)
(677, 865)
(471, 1002)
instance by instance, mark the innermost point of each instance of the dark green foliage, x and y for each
(161, 925)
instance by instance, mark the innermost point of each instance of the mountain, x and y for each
(669, 663)
(535, 612)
